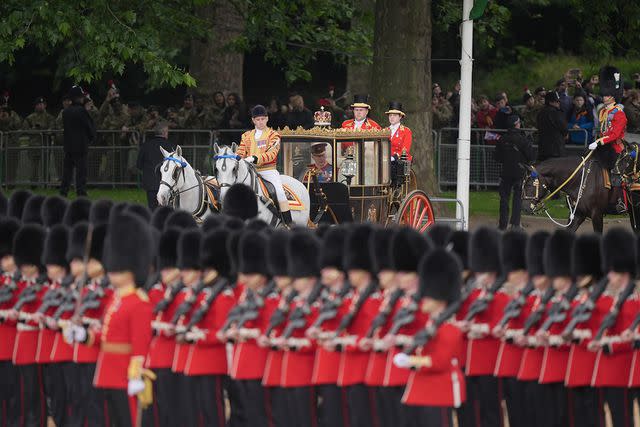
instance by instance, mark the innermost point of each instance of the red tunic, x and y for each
(209, 356)
(92, 318)
(532, 357)
(26, 342)
(510, 355)
(401, 140)
(163, 346)
(181, 350)
(353, 361)
(368, 124)
(297, 364)
(126, 325)
(441, 384)
(555, 359)
(613, 123)
(482, 353)
(273, 366)
(378, 359)
(8, 327)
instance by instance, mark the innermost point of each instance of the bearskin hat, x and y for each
(116, 209)
(406, 248)
(277, 261)
(55, 246)
(611, 82)
(355, 258)
(189, 249)
(440, 275)
(302, 250)
(440, 234)
(484, 250)
(142, 211)
(233, 223)
(28, 244)
(251, 253)
(513, 247)
(159, 217)
(4, 205)
(321, 229)
(535, 253)
(585, 256)
(132, 253)
(379, 243)
(8, 229)
(256, 224)
(213, 251)
(557, 254)
(619, 251)
(168, 249)
(32, 213)
(16, 203)
(78, 241)
(233, 243)
(212, 222)
(332, 251)
(78, 210)
(53, 209)
(180, 219)
(240, 202)
(459, 245)
(99, 212)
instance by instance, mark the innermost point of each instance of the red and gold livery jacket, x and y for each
(441, 381)
(510, 354)
(208, 355)
(26, 342)
(92, 318)
(298, 359)
(125, 335)
(8, 327)
(613, 124)
(163, 344)
(266, 148)
(401, 140)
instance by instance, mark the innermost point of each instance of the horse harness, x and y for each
(205, 195)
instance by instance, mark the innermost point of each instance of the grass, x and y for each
(134, 195)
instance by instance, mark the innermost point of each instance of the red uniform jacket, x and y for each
(181, 350)
(8, 327)
(209, 356)
(461, 315)
(327, 363)
(127, 327)
(378, 359)
(482, 353)
(612, 369)
(92, 318)
(613, 123)
(297, 364)
(394, 376)
(46, 336)
(581, 361)
(249, 359)
(353, 361)
(441, 384)
(163, 346)
(555, 359)
(532, 357)
(273, 366)
(26, 343)
(401, 140)
(368, 124)
(61, 351)
(510, 354)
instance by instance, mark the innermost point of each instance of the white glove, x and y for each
(134, 387)
(593, 146)
(250, 159)
(401, 360)
(79, 333)
(67, 334)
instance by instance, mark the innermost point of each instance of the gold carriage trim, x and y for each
(326, 132)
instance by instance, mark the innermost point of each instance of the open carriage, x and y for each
(351, 176)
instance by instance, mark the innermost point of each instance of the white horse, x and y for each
(229, 169)
(181, 186)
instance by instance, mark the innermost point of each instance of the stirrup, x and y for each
(621, 207)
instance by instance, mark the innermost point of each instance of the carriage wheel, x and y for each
(415, 211)
(413, 182)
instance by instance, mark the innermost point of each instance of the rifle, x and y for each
(55, 297)
(426, 334)
(91, 300)
(330, 306)
(30, 293)
(384, 313)
(610, 319)
(481, 304)
(297, 318)
(405, 315)
(204, 308)
(168, 299)
(583, 312)
(558, 310)
(253, 304)
(71, 300)
(280, 315)
(348, 318)
(187, 304)
(514, 307)
(535, 316)
(6, 292)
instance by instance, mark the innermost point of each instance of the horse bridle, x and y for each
(224, 158)
(172, 187)
(537, 183)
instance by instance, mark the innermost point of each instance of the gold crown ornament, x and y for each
(322, 117)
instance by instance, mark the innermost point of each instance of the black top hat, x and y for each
(379, 243)
(168, 249)
(276, 256)
(78, 210)
(32, 213)
(28, 244)
(99, 212)
(534, 253)
(55, 246)
(406, 248)
(484, 250)
(251, 253)
(133, 253)
(440, 275)
(513, 248)
(302, 250)
(332, 252)
(180, 219)
(361, 101)
(240, 202)
(8, 229)
(395, 108)
(557, 254)
(159, 216)
(213, 252)
(16, 203)
(585, 256)
(189, 249)
(52, 211)
(619, 251)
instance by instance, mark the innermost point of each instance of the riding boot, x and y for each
(286, 216)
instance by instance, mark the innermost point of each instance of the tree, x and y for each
(402, 72)
(359, 67)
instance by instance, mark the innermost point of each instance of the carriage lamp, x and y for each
(349, 166)
(406, 164)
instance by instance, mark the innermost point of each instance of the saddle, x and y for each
(271, 199)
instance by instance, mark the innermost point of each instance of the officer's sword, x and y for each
(85, 275)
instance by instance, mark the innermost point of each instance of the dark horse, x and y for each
(587, 187)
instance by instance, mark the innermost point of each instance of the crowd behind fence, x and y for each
(34, 158)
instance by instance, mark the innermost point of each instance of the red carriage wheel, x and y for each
(415, 211)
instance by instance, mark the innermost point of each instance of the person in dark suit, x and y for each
(552, 129)
(79, 132)
(149, 157)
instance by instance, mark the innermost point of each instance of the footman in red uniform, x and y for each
(400, 135)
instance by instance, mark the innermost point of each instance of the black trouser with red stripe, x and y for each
(360, 398)
(421, 416)
(56, 376)
(162, 412)
(277, 407)
(254, 402)
(88, 406)
(33, 410)
(583, 406)
(234, 393)
(209, 400)
(389, 407)
(333, 407)
(9, 398)
(620, 406)
(515, 399)
(554, 405)
(118, 408)
(302, 406)
(485, 392)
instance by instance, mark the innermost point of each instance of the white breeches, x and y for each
(273, 176)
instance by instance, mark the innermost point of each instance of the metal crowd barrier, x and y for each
(485, 170)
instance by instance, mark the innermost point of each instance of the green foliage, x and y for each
(492, 25)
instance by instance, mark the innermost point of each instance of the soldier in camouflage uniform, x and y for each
(530, 111)
(213, 114)
(29, 163)
(136, 126)
(114, 117)
(65, 103)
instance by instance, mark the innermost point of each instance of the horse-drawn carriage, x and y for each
(346, 176)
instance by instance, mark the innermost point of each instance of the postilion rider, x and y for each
(261, 147)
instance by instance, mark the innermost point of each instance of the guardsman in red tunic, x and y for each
(9, 406)
(482, 348)
(163, 343)
(27, 251)
(517, 287)
(207, 361)
(259, 301)
(334, 305)
(302, 252)
(400, 135)
(126, 327)
(583, 407)
(363, 308)
(614, 312)
(557, 265)
(87, 402)
(436, 384)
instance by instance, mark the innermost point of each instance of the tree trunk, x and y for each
(358, 69)
(402, 72)
(214, 64)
